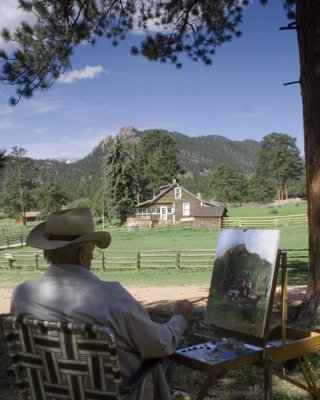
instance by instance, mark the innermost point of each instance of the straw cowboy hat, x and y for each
(67, 227)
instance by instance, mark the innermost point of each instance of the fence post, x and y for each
(21, 239)
(36, 260)
(103, 261)
(138, 260)
(177, 259)
(10, 263)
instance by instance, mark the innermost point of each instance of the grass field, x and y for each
(291, 236)
(267, 210)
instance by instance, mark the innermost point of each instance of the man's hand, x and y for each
(184, 308)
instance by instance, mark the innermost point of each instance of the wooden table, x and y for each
(282, 346)
(194, 357)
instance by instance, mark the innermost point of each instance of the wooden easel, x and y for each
(294, 343)
(278, 343)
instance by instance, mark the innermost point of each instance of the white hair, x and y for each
(65, 255)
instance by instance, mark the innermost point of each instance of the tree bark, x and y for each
(308, 31)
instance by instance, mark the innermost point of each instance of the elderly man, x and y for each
(70, 291)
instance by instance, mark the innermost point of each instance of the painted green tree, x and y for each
(240, 265)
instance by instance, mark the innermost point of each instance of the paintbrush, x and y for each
(201, 298)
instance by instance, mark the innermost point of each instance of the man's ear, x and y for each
(81, 256)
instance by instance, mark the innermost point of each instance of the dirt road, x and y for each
(143, 294)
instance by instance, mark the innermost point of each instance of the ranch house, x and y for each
(175, 204)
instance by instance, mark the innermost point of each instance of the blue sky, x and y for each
(241, 96)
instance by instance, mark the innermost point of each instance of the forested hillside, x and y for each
(197, 156)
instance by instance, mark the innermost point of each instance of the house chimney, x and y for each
(174, 181)
(199, 195)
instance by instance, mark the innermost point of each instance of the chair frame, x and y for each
(66, 360)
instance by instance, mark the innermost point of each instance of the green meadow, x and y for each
(178, 238)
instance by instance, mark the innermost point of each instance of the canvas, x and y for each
(241, 280)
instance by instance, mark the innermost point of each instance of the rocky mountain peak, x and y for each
(128, 134)
(102, 148)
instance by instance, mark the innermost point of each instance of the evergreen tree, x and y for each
(3, 159)
(262, 188)
(51, 197)
(297, 188)
(157, 162)
(81, 202)
(278, 161)
(120, 181)
(227, 185)
(101, 206)
(45, 48)
(17, 196)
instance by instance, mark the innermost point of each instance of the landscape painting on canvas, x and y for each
(241, 280)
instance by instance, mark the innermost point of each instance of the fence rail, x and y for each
(118, 260)
(264, 221)
(133, 260)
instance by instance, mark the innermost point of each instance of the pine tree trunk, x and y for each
(308, 31)
(285, 192)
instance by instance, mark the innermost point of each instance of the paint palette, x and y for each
(209, 353)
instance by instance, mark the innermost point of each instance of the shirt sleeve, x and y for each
(148, 338)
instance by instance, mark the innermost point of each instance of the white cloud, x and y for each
(63, 147)
(89, 72)
(10, 17)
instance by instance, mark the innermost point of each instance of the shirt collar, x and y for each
(70, 270)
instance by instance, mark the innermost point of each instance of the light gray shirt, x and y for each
(73, 293)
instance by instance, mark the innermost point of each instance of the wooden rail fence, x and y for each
(147, 259)
(264, 221)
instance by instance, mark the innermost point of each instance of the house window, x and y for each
(186, 209)
(177, 193)
(169, 210)
(144, 213)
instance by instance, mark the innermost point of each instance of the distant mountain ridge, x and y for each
(197, 156)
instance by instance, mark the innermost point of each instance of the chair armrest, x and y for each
(139, 375)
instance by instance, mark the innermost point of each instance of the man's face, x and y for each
(86, 255)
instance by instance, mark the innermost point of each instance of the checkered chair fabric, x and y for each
(63, 360)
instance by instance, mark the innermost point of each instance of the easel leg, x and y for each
(267, 380)
(309, 377)
(205, 387)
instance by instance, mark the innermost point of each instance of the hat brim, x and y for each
(37, 238)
